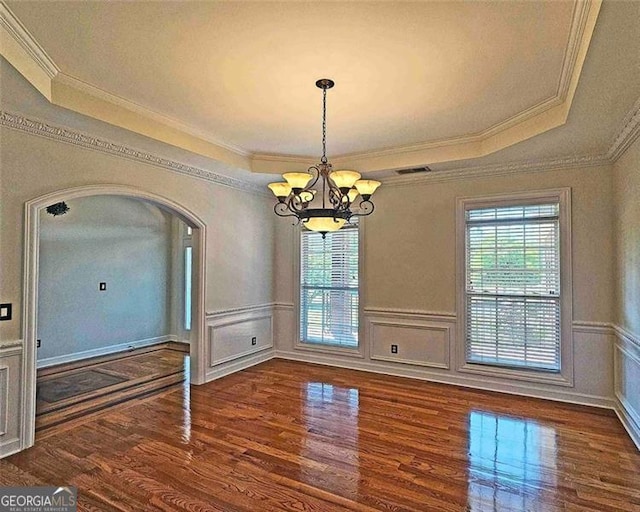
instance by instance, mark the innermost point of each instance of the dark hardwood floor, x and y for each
(287, 436)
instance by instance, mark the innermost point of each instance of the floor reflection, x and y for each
(331, 414)
(511, 462)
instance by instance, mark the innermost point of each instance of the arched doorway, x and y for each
(31, 285)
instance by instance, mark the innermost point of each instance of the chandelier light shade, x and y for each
(322, 199)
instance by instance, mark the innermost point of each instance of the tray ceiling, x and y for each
(416, 83)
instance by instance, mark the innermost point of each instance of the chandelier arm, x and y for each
(336, 197)
(324, 191)
(367, 208)
(296, 207)
(281, 209)
(316, 176)
(335, 194)
(292, 202)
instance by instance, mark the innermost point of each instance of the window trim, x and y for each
(563, 196)
(298, 344)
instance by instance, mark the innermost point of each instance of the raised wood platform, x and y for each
(288, 436)
(75, 390)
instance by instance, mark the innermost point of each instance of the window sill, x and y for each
(330, 349)
(554, 379)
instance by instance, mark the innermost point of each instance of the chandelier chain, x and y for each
(324, 126)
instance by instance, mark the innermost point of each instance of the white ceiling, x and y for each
(241, 74)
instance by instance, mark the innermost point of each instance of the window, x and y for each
(329, 288)
(513, 292)
(187, 262)
(188, 252)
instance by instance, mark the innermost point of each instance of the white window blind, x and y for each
(329, 287)
(513, 286)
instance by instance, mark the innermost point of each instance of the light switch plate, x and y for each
(5, 311)
(103, 287)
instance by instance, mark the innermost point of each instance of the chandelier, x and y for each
(322, 199)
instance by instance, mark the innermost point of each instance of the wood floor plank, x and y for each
(297, 437)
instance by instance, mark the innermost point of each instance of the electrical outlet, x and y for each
(103, 287)
(394, 349)
(254, 340)
(38, 343)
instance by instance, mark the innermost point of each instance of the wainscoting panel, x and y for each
(10, 392)
(4, 399)
(418, 343)
(427, 347)
(627, 381)
(232, 333)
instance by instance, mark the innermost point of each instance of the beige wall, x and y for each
(239, 223)
(627, 230)
(410, 246)
(626, 178)
(408, 290)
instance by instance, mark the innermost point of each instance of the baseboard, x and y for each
(561, 395)
(112, 349)
(8, 448)
(238, 365)
(629, 424)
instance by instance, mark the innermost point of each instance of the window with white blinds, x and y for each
(329, 287)
(513, 286)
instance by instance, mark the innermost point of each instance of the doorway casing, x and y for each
(30, 287)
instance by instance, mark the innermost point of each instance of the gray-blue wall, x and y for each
(120, 241)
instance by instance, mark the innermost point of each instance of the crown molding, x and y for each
(66, 135)
(19, 47)
(69, 92)
(277, 164)
(96, 92)
(512, 168)
(627, 133)
(27, 42)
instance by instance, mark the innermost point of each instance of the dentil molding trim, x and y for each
(627, 133)
(61, 134)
